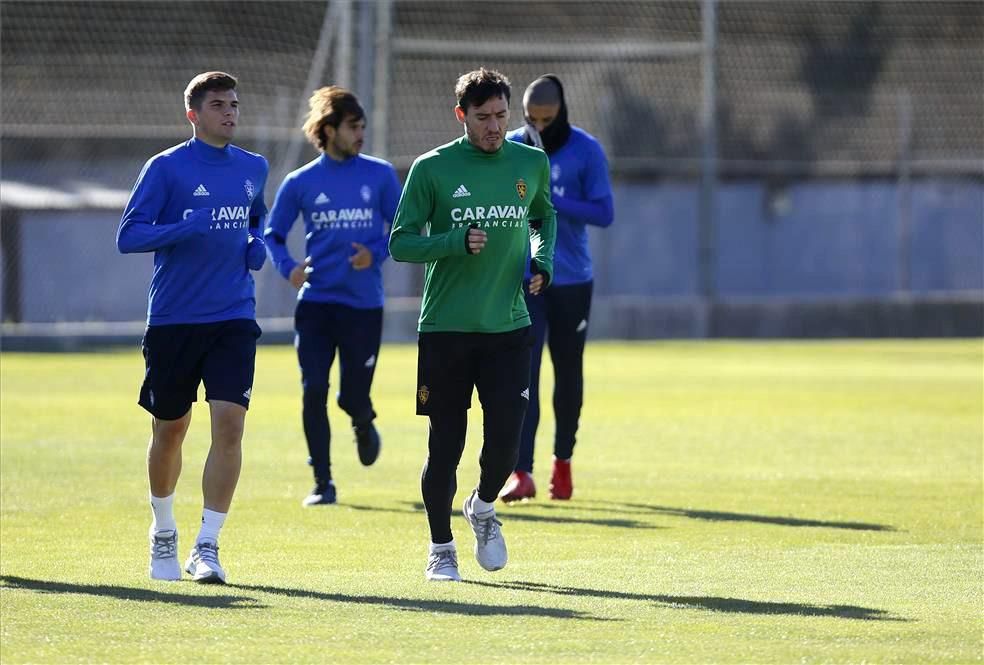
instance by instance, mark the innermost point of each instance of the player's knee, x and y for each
(315, 394)
(228, 425)
(170, 433)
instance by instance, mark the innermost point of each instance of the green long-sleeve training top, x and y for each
(456, 186)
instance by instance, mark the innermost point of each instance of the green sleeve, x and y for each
(413, 216)
(542, 240)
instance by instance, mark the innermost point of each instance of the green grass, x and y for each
(735, 502)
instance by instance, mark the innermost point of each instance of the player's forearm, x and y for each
(542, 240)
(596, 213)
(142, 236)
(379, 249)
(409, 246)
(276, 246)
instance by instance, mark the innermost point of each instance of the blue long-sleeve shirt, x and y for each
(197, 278)
(341, 202)
(582, 195)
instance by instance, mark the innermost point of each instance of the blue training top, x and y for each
(582, 195)
(341, 203)
(197, 279)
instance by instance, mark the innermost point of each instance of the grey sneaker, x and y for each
(490, 546)
(164, 555)
(203, 564)
(442, 565)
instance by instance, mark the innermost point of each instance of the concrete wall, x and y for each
(779, 247)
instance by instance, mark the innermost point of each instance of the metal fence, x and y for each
(747, 108)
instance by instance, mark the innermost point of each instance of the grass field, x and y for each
(735, 502)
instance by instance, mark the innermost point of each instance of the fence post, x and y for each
(10, 247)
(706, 250)
(904, 193)
(381, 75)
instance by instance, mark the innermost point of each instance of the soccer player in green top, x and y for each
(474, 211)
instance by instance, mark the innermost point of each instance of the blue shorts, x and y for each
(221, 355)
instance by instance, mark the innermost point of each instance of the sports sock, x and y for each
(163, 510)
(479, 506)
(211, 524)
(441, 547)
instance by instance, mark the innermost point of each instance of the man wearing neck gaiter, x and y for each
(582, 196)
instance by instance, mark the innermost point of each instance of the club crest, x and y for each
(521, 188)
(366, 193)
(250, 189)
(423, 394)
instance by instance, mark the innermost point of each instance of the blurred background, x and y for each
(780, 169)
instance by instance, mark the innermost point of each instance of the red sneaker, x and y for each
(561, 484)
(519, 486)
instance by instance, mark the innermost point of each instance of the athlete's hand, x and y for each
(539, 281)
(255, 252)
(299, 274)
(362, 258)
(201, 220)
(475, 240)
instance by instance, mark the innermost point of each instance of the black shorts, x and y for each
(179, 357)
(449, 364)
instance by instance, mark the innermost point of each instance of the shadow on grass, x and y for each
(428, 605)
(130, 593)
(556, 519)
(711, 603)
(720, 516)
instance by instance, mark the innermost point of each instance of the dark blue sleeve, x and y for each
(389, 200)
(258, 209)
(139, 228)
(596, 213)
(597, 209)
(286, 206)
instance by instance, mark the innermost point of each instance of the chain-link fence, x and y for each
(738, 133)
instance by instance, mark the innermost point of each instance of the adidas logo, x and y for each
(322, 199)
(525, 394)
(461, 191)
(201, 191)
(248, 392)
(582, 325)
(372, 361)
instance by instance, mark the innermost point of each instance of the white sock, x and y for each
(479, 506)
(211, 524)
(163, 510)
(442, 547)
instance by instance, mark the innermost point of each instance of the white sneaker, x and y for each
(203, 564)
(490, 546)
(164, 555)
(442, 565)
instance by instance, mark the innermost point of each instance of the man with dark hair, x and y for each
(582, 196)
(347, 202)
(198, 206)
(483, 204)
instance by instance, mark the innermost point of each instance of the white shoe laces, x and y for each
(208, 553)
(442, 559)
(165, 546)
(486, 528)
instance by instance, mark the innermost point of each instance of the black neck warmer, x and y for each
(554, 135)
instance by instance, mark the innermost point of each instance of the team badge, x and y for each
(555, 172)
(250, 190)
(521, 188)
(423, 394)
(366, 193)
